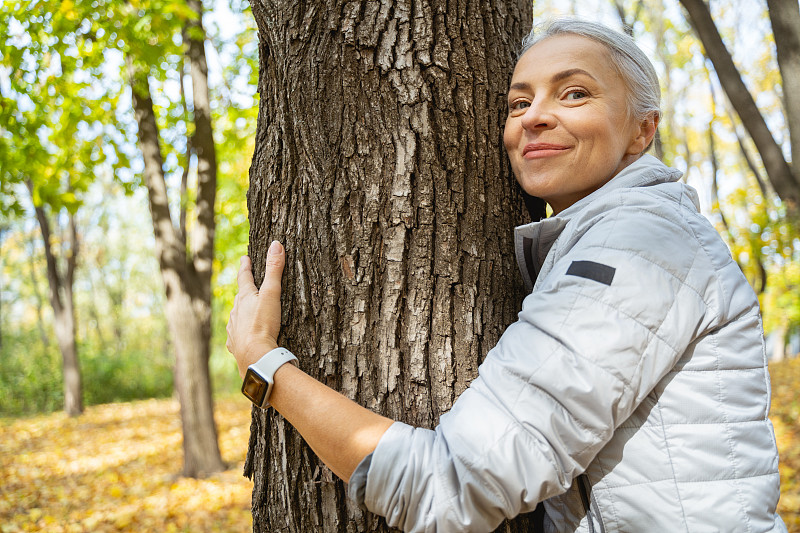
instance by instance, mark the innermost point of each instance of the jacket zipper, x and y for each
(586, 489)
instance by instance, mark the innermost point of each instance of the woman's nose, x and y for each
(538, 116)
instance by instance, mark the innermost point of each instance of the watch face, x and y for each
(254, 387)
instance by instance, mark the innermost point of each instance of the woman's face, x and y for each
(568, 131)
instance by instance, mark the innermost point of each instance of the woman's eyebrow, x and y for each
(568, 73)
(558, 76)
(520, 85)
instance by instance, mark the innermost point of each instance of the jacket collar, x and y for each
(533, 241)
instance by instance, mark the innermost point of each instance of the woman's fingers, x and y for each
(244, 279)
(255, 320)
(270, 292)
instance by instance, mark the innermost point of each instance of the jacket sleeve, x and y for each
(594, 338)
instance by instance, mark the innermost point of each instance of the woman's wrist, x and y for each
(252, 354)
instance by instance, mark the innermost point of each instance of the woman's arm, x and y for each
(340, 431)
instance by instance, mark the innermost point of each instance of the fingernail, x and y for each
(274, 248)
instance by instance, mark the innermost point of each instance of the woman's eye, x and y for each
(519, 105)
(576, 94)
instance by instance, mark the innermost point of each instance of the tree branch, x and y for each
(712, 149)
(187, 158)
(785, 18)
(72, 254)
(53, 276)
(778, 170)
(169, 248)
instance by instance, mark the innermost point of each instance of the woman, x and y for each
(632, 393)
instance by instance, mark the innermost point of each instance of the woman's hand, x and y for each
(340, 431)
(256, 315)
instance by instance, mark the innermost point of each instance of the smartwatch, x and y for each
(258, 380)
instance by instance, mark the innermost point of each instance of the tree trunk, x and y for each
(189, 328)
(37, 294)
(188, 294)
(785, 183)
(202, 241)
(785, 18)
(65, 335)
(779, 346)
(63, 308)
(379, 162)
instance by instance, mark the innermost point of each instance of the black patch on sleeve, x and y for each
(590, 270)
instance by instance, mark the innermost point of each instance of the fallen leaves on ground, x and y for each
(115, 468)
(785, 415)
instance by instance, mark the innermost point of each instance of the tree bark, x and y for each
(785, 183)
(63, 307)
(785, 18)
(379, 162)
(186, 282)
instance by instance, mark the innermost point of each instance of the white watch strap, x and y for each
(269, 364)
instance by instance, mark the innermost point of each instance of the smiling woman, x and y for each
(632, 392)
(568, 130)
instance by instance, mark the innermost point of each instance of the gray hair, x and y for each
(644, 92)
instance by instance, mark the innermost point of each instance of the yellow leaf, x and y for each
(68, 9)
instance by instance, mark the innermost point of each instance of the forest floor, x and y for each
(115, 468)
(785, 415)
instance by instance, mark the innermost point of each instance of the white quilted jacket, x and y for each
(631, 395)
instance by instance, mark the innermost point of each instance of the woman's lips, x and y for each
(540, 150)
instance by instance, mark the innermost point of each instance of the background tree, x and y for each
(379, 161)
(767, 242)
(162, 38)
(61, 280)
(62, 70)
(703, 134)
(186, 263)
(785, 17)
(54, 143)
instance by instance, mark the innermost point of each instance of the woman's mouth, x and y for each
(540, 150)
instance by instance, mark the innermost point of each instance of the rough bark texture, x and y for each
(63, 307)
(379, 163)
(785, 183)
(186, 275)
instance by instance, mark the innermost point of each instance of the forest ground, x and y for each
(115, 468)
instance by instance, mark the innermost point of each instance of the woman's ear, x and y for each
(645, 134)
